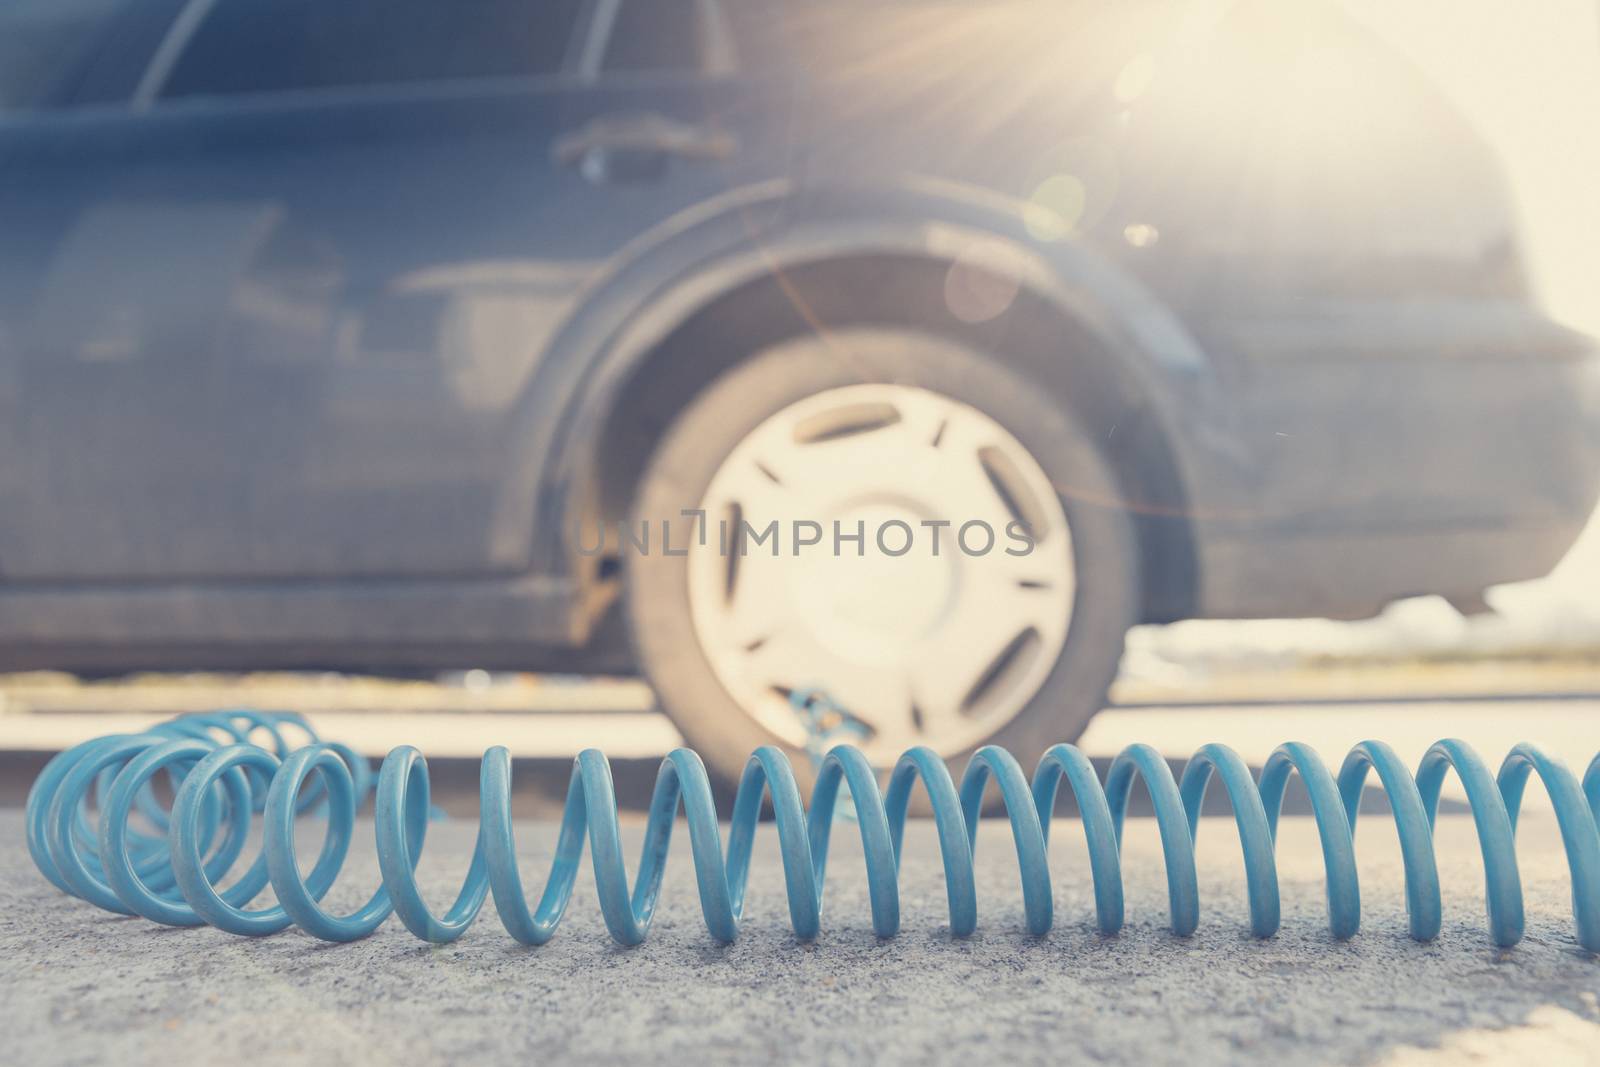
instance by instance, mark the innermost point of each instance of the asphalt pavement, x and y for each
(81, 986)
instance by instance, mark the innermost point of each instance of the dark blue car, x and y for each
(887, 357)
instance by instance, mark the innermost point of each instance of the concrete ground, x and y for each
(82, 986)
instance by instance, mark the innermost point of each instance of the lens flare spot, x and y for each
(977, 292)
(1056, 207)
(1140, 234)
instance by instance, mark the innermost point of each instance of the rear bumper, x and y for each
(1355, 576)
(1366, 480)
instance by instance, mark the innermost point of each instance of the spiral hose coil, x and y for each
(222, 780)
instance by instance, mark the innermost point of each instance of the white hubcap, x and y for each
(939, 624)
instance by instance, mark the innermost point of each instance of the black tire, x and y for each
(697, 442)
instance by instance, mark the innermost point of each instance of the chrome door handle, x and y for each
(643, 135)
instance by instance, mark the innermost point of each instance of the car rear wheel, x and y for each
(896, 523)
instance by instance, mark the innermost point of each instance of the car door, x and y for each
(669, 118)
(46, 46)
(293, 292)
(300, 283)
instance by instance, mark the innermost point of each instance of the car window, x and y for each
(44, 45)
(264, 46)
(657, 36)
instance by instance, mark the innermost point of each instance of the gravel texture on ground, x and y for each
(79, 986)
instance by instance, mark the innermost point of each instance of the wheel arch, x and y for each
(1131, 371)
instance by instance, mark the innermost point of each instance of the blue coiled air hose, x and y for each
(80, 808)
